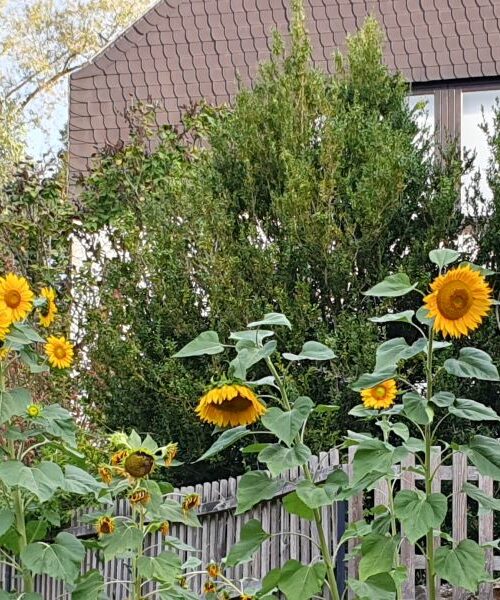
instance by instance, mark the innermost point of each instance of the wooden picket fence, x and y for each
(221, 529)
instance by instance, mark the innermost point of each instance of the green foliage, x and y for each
(296, 200)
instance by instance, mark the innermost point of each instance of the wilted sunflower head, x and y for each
(118, 457)
(459, 301)
(209, 587)
(164, 528)
(380, 396)
(105, 474)
(230, 404)
(213, 570)
(140, 496)
(49, 309)
(246, 597)
(182, 582)
(170, 453)
(191, 501)
(105, 525)
(139, 463)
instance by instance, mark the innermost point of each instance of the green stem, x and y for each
(430, 569)
(323, 542)
(136, 578)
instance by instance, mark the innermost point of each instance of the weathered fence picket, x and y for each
(221, 529)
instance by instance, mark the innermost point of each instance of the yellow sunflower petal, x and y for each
(48, 312)
(16, 297)
(59, 352)
(230, 405)
(380, 396)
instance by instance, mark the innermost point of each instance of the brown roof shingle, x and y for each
(182, 50)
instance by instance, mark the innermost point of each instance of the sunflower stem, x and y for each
(428, 436)
(323, 542)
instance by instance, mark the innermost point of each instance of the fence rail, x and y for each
(221, 529)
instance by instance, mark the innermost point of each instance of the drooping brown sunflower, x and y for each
(139, 463)
(105, 525)
(16, 296)
(459, 301)
(213, 570)
(140, 496)
(164, 528)
(191, 501)
(170, 453)
(230, 405)
(209, 587)
(49, 310)
(118, 457)
(381, 396)
(105, 474)
(59, 352)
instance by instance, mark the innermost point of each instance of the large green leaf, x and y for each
(247, 357)
(443, 257)
(389, 354)
(89, 586)
(311, 351)
(392, 286)
(256, 337)
(78, 481)
(6, 520)
(206, 343)
(13, 403)
(227, 438)
(485, 501)
(286, 424)
(484, 452)
(295, 506)
(165, 567)
(280, 458)
(170, 510)
(402, 317)
(271, 319)
(472, 410)
(59, 423)
(43, 479)
(462, 566)
(377, 587)
(369, 380)
(252, 536)
(301, 582)
(255, 486)
(315, 495)
(374, 456)
(419, 513)
(377, 555)
(123, 543)
(443, 399)
(60, 560)
(472, 362)
(417, 409)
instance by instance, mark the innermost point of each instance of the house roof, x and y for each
(184, 50)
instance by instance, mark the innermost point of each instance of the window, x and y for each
(477, 107)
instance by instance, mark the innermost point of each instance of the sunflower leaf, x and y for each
(311, 351)
(272, 319)
(402, 317)
(369, 380)
(472, 363)
(472, 410)
(443, 257)
(255, 486)
(251, 538)
(280, 458)
(227, 438)
(206, 343)
(392, 286)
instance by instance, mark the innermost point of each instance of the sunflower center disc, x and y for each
(12, 298)
(454, 300)
(235, 405)
(380, 391)
(60, 352)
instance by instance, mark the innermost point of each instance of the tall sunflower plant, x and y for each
(30, 484)
(407, 399)
(233, 404)
(408, 410)
(141, 530)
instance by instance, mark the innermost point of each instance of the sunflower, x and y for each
(230, 405)
(213, 570)
(5, 323)
(140, 496)
(49, 310)
(191, 501)
(458, 301)
(118, 457)
(170, 453)
(139, 463)
(164, 528)
(209, 587)
(105, 525)
(59, 351)
(15, 297)
(33, 411)
(381, 396)
(105, 474)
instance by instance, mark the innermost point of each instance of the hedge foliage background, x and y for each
(307, 191)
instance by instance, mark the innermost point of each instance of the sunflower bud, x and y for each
(191, 501)
(140, 496)
(34, 411)
(105, 525)
(139, 464)
(119, 439)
